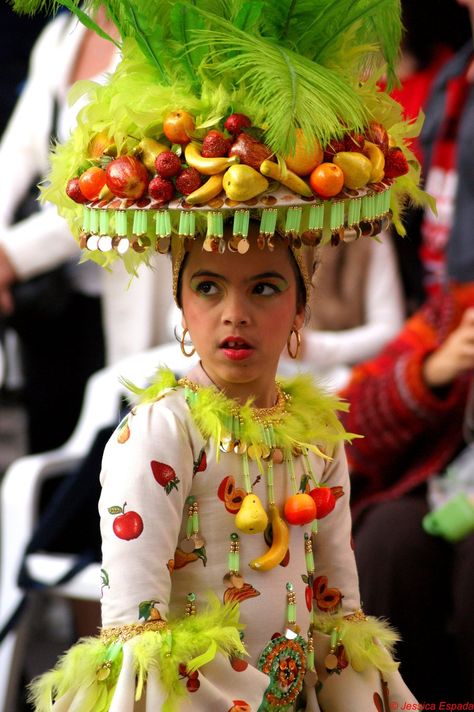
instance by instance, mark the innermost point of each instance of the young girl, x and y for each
(228, 577)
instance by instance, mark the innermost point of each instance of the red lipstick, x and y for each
(235, 348)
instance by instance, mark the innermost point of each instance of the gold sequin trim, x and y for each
(122, 633)
(356, 617)
(260, 415)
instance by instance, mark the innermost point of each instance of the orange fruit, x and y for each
(178, 126)
(327, 180)
(305, 157)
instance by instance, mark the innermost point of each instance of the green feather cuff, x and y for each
(90, 670)
(367, 641)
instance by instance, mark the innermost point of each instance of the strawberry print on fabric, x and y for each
(128, 525)
(164, 475)
(327, 599)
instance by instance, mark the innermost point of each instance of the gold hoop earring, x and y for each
(294, 354)
(182, 344)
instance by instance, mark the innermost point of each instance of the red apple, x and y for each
(128, 525)
(73, 190)
(127, 177)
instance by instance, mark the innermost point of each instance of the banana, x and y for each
(207, 191)
(290, 179)
(276, 553)
(377, 160)
(207, 166)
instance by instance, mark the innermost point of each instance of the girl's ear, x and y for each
(183, 320)
(298, 322)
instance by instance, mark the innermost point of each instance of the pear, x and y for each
(242, 182)
(356, 167)
(251, 517)
(147, 151)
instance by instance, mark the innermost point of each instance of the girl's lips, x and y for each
(236, 349)
(237, 354)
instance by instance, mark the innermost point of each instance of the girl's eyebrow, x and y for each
(254, 277)
(268, 275)
(207, 273)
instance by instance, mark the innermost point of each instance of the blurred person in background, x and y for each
(54, 305)
(410, 403)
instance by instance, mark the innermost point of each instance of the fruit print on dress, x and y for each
(123, 433)
(200, 464)
(231, 495)
(240, 592)
(148, 611)
(128, 525)
(327, 599)
(105, 581)
(164, 475)
(240, 706)
(183, 558)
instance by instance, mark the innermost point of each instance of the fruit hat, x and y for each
(225, 110)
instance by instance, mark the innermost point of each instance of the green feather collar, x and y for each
(304, 418)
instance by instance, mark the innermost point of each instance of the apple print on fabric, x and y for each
(128, 525)
(200, 463)
(164, 475)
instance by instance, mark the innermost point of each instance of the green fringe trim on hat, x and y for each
(193, 640)
(309, 420)
(369, 642)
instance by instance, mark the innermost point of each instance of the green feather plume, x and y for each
(195, 641)
(369, 642)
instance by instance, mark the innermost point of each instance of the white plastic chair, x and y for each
(19, 501)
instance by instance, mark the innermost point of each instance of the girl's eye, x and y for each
(266, 289)
(206, 288)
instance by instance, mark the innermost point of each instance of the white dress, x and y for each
(156, 460)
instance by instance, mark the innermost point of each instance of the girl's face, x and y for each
(239, 313)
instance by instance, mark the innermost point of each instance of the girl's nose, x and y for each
(235, 312)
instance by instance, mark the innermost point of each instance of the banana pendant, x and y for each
(276, 553)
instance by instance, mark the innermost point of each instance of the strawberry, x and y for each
(161, 189)
(188, 181)
(167, 164)
(354, 141)
(164, 475)
(395, 163)
(236, 122)
(335, 146)
(215, 144)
